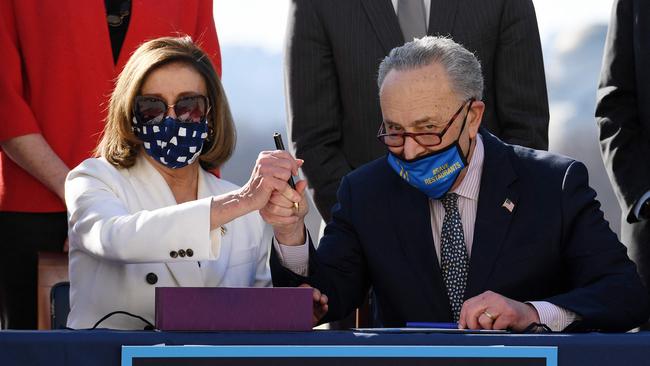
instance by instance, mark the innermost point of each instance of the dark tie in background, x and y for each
(453, 253)
(412, 19)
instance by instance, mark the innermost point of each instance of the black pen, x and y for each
(280, 146)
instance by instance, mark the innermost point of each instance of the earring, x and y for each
(210, 134)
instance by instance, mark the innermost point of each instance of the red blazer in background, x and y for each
(57, 73)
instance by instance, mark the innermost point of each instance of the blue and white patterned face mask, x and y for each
(172, 143)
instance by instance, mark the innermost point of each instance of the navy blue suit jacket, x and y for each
(554, 246)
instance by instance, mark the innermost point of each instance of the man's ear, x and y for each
(474, 117)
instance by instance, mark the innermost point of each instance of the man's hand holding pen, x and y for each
(288, 223)
(286, 209)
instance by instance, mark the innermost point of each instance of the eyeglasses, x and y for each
(426, 139)
(151, 110)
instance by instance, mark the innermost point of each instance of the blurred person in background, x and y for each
(624, 121)
(60, 59)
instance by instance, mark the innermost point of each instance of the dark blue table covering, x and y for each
(103, 347)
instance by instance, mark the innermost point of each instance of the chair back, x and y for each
(52, 269)
(59, 305)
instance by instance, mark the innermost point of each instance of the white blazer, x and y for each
(128, 235)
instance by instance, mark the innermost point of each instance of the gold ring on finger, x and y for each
(492, 317)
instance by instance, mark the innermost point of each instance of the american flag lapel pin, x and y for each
(508, 205)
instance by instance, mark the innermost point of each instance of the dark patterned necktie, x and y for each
(453, 254)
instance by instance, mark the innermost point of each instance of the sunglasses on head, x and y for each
(152, 110)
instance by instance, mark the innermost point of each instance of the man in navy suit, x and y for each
(455, 225)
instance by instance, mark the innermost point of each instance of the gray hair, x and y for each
(463, 68)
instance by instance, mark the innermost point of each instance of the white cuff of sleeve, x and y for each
(553, 316)
(294, 257)
(639, 203)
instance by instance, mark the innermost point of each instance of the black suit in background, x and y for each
(334, 48)
(623, 116)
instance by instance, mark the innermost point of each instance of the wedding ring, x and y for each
(492, 317)
(296, 205)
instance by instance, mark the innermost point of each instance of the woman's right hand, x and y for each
(271, 172)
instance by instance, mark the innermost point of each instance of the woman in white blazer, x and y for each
(147, 212)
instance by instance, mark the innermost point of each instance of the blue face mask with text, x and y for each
(433, 174)
(172, 143)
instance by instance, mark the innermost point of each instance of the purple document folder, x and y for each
(226, 308)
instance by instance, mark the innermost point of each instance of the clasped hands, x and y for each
(267, 190)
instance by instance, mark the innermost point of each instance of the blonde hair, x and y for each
(120, 146)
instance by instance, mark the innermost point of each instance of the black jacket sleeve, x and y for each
(606, 291)
(623, 139)
(338, 269)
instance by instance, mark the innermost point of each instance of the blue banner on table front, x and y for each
(338, 355)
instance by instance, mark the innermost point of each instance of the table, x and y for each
(103, 347)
